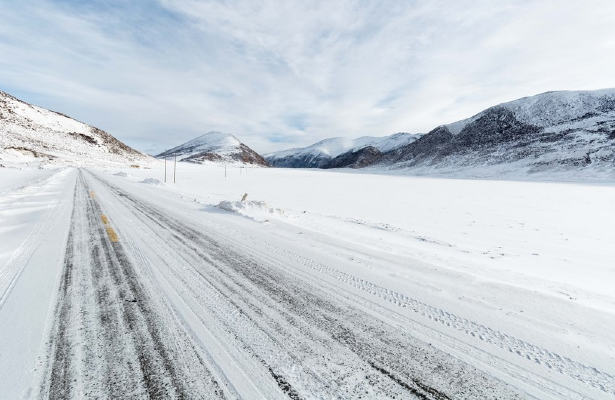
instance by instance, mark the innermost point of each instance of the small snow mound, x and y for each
(123, 175)
(258, 210)
(242, 205)
(151, 181)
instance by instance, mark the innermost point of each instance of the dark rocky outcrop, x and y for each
(356, 159)
(246, 155)
(496, 125)
(300, 161)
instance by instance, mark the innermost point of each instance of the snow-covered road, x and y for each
(278, 331)
(146, 295)
(112, 335)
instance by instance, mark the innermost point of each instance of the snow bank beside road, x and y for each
(12, 179)
(33, 230)
(257, 210)
(151, 181)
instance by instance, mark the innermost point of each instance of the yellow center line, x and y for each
(110, 232)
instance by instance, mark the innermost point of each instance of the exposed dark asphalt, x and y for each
(109, 340)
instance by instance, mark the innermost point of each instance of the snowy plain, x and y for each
(512, 277)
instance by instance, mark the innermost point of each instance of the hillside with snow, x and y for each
(321, 154)
(34, 135)
(566, 134)
(215, 147)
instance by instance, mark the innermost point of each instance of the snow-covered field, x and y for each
(511, 278)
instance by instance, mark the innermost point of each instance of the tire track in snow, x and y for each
(211, 301)
(586, 374)
(109, 339)
(244, 293)
(263, 342)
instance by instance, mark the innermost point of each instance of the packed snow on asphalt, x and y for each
(304, 284)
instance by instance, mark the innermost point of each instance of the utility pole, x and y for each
(165, 169)
(225, 170)
(174, 168)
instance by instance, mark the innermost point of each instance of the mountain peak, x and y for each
(215, 135)
(217, 147)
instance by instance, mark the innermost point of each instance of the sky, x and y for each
(284, 74)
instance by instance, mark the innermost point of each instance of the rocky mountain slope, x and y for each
(568, 132)
(33, 134)
(550, 132)
(216, 147)
(323, 153)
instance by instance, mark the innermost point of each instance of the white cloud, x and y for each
(282, 74)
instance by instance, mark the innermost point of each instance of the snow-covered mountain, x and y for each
(321, 154)
(567, 132)
(31, 133)
(217, 147)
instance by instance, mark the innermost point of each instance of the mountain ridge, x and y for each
(322, 153)
(46, 136)
(555, 131)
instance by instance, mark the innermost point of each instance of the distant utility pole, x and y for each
(165, 169)
(174, 168)
(225, 170)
